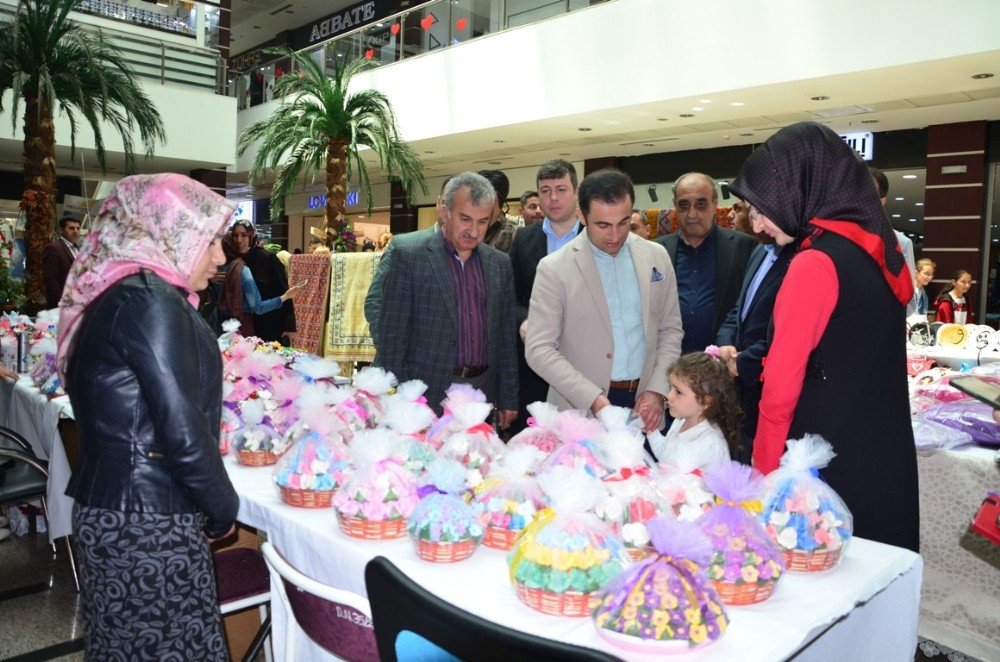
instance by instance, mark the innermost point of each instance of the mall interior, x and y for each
(656, 88)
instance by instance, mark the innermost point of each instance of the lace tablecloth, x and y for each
(960, 601)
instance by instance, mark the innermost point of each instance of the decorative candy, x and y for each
(444, 527)
(664, 601)
(541, 432)
(509, 497)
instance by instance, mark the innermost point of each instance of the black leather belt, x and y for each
(630, 385)
(469, 371)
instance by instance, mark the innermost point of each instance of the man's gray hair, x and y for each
(481, 193)
(707, 178)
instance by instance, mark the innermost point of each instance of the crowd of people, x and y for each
(732, 339)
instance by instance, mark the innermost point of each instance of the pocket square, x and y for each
(657, 276)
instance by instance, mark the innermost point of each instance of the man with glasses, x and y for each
(709, 261)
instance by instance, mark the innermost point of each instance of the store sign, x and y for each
(335, 24)
(317, 201)
(862, 143)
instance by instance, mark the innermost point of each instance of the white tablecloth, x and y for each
(24, 409)
(950, 357)
(961, 592)
(865, 609)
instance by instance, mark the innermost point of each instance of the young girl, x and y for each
(922, 278)
(703, 403)
(951, 303)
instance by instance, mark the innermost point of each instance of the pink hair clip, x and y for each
(712, 351)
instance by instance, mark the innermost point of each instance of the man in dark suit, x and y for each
(709, 261)
(58, 258)
(744, 337)
(557, 184)
(448, 304)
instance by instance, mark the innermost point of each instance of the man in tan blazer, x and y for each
(604, 324)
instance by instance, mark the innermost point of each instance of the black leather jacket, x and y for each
(145, 381)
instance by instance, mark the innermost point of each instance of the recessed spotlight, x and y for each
(913, 220)
(895, 215)
(661, 119)
(819, 98)
(909, 176)
(498, 141)
(563, 153)
(900, 198)
(981, 76)
(687, 115)
(736, 103)
(428, 151)
(919, 204)
(379, 25)
(495, 162)
(704, 101)
(746, 135)
(256, 27)
(869, 121)
(648, 145)
(697, 108)
(584, 128)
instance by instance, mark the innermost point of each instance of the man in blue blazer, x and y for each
(709, 261)
(745, 336)
(447, 311)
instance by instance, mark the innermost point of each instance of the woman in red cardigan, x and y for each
(837, 362)
(952, 306)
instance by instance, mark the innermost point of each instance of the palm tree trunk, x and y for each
(38, 202)
(336, 185)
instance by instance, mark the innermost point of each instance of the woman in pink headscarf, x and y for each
(144, 374)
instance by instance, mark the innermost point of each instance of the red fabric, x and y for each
(901, 284)
(946, 310)
(802, 310)
(310, 304)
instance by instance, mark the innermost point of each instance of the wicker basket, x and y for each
(799, 561)
(367, 529)
(744, 594)
(500, 538)
(639, 553)
(306, 498)
(445, 552)
(570, 603)
(256, 458)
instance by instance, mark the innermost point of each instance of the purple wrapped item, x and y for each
(969, 416)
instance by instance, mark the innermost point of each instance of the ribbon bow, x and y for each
(627, 473)
(752, 506)
(482, 428)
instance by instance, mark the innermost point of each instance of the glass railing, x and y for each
(424, 29)
(159, 61)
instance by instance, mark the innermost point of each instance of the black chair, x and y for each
(26, 478)
(398, 604)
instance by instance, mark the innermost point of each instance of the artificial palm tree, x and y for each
(323, 127)
(51, 62)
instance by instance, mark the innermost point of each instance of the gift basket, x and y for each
(802, 514)
(632, 497)
(380, 493)
(745, 564)
(456, 396)
(509, 497)
(566, 554)
(476, 445)
(411, 419)
(444, 527)
(664, 603)
(372, 384)
(256, 443)
(311, 470)
(542, 430)
(681, 481)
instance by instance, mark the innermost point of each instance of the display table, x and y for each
(960, 604)
(866, 608)
(24, 409)
(950, 357)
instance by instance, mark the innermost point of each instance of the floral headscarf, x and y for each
(163, 223)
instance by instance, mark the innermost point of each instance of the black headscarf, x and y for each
(806, 177)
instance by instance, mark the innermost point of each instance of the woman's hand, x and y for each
(293, 291)
(8, 375)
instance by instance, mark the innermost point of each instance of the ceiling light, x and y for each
(981, 76)
(648, 145)
(379, 25)
(494, 162)
(696, 108)
(686, 115)
(584, 128)
(919, 204)
(869, 121)
(909, 176)
(704, 101)
(736, 103)
(498, 141)
(746, 134)
(428, 151)
(256, 27)
(900, 198)
(819, 98)
(913, 220)
(895, 215)
(661, 119)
